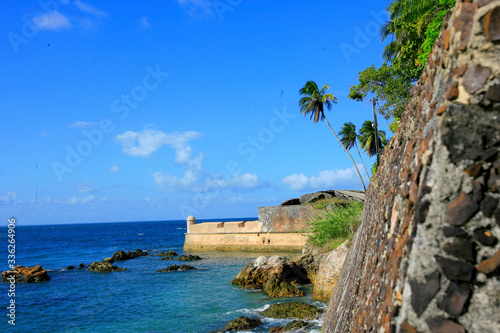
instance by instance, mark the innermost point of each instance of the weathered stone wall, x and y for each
(286, 218)
(426, 257)
(256, 242)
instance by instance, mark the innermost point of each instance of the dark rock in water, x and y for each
(22, 274)
(109, 260)
(291, 202)
(278, 276)
(81, 266)
(70, 267)
(240, 324)
(169, 253)
(188, 258)
(290, 310)
(137, 253)
(122, 255)
(175, 268)
(297, 325)
(168, 258)
(104, 267)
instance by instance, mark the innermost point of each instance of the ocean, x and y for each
(136, 300)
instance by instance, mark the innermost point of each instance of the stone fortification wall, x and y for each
(256, 242)
(285, 218)
(224, 227)
(426, 257)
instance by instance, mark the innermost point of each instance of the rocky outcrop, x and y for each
(241, 324)
(291, 202)
(183, 258)
(328, 273)
(292, 310)
(122, 255)
(294, 326)
(169, 253)
(277, 276)
(175, 268)
(425, 258)
(22, 274)
(104, 267)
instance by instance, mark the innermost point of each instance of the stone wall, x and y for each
(256, 242)
(426, 257)
(286, 218)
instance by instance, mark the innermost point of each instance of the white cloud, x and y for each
(114, 169)
(72, 200)
(88, 199)
(244, 199)
(324, 180)
(244, 181)
(85, 187)
(144, 21)
(88, 8)
(8, 198)
(82, 124)
(145, 142)
(52, 21)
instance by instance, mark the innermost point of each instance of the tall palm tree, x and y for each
(349, 139)
(313, 103)
(367, 138)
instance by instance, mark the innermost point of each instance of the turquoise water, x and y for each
(136, 300)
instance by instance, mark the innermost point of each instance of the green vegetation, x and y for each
(312, 103)
(367, 138)
(335, 226)
(322, 204)
(385, 84)
(374, 169)
(349, 139)
(414, 27)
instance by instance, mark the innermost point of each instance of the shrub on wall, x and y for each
(334, 227)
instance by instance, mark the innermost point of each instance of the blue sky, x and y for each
(137, 111)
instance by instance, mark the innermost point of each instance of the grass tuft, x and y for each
(334, 227)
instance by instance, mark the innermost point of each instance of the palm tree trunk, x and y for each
(352, 159)
(362, 160)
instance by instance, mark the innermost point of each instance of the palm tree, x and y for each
(349, 139)
(367, 138)
(313, 103)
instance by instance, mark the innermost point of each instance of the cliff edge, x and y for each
(426, 257)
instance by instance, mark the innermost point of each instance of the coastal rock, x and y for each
(104, 267)
(137, 253)
(310, 263)
(70, 267)
(328, 273)
(183, 258)
(167, 254)
(241, 324)
(188, 258)
(122, 255)
(26, 274)
(108, 260)
(296, 310)
(294, 325)
(313, 197)
(175, 268)
(277, 276)
(291, 202)
(81, 265)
